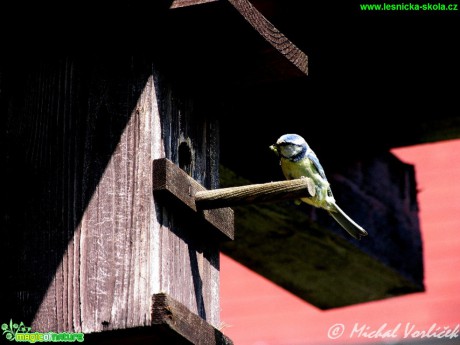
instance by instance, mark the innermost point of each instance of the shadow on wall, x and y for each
(63, 120)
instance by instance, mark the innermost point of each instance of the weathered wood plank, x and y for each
(270, 33)
(176, 317)
(171, 181)
(172, 323)
(189, 138)
(186, 3)
(116, 251)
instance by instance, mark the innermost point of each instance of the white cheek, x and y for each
(290, 151)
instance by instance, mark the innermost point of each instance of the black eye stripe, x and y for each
(286, 144)
(297, 156)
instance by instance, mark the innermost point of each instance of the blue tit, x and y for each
(298, 160)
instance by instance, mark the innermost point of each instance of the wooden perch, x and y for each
(255, 193)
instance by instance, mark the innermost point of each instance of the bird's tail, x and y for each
(346, 222)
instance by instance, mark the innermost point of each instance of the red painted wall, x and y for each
(257, 312)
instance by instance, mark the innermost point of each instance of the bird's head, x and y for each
(290, 146)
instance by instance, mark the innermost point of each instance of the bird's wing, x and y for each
(311, 155)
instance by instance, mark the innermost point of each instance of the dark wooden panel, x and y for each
(87, 242)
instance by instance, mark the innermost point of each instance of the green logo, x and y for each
(14, 328)
(21, 333)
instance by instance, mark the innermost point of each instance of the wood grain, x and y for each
(255, 193)
(172, 323)
(273, 36)
(91, 244)
(186, 3)
(175, 317)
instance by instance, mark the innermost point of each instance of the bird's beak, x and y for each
(274, 149)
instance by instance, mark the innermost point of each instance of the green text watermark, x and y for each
(410, 6)
(20, 333)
